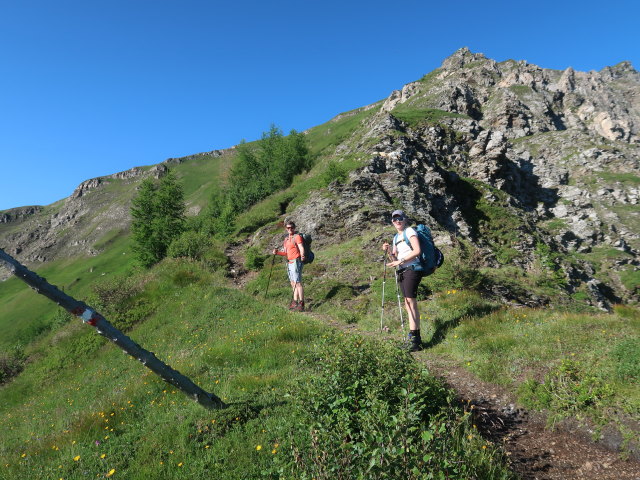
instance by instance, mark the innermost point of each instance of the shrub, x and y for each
(460, 270)
(371, 412)
(121, 302)
(190, 244)
(11, 363)
(254, 259)
(215, 259)
(334, 172)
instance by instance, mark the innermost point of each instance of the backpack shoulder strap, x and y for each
(406, 239)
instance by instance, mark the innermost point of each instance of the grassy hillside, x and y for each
(24, 317)
(82, 408)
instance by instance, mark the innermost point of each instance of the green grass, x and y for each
(520, 90)
(526, 349)
(493, 218)
(325, 137)
(200, 175)
(624, 178)
(93, 411)
(417, 116)
(226, 341)
(25, 316)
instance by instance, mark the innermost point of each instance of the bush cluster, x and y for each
(11, 363)
(122, 302)
(370, 412)
(189, 244)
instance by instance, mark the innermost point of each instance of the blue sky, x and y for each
(90, 88)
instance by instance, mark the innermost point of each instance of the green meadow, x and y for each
(296, 390)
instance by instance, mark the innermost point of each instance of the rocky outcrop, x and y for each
(563, 146)
(14, 215)
(156, 171)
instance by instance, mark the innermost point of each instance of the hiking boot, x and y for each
(293, 305)
(300, 306)
(415, 342)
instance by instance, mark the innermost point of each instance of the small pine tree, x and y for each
(158, 213)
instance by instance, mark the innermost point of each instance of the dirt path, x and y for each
(534, 451)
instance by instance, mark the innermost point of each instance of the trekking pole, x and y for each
(384, 281)
(273, 260)
(404, 333)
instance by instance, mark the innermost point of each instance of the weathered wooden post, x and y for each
(104, 328)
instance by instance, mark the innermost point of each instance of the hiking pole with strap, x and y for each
(273, 260)
(384, 281)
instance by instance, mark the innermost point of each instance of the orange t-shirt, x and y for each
(291, 250)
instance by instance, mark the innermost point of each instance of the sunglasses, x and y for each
(397, 219)
(289, 228)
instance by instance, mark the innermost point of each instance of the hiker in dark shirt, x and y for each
(405, 258)
(293, 249)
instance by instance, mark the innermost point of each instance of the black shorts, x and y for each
(409, 280)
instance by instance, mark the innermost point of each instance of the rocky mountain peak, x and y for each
(561, 146)
(462, 57)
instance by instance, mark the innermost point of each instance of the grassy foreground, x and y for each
(305, 402)
(582, 365)
(571, 362)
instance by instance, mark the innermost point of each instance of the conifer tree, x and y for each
(158, 213)
(260, 169)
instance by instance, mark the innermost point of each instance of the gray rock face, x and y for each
(18, 214)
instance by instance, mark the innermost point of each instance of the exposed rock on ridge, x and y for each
(74, 225)
(563, 145)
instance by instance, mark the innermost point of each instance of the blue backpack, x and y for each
(306, 241)
(430, 257)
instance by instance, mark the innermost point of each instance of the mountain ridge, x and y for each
(508, 156)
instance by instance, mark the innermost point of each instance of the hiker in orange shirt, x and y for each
(294, 251)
